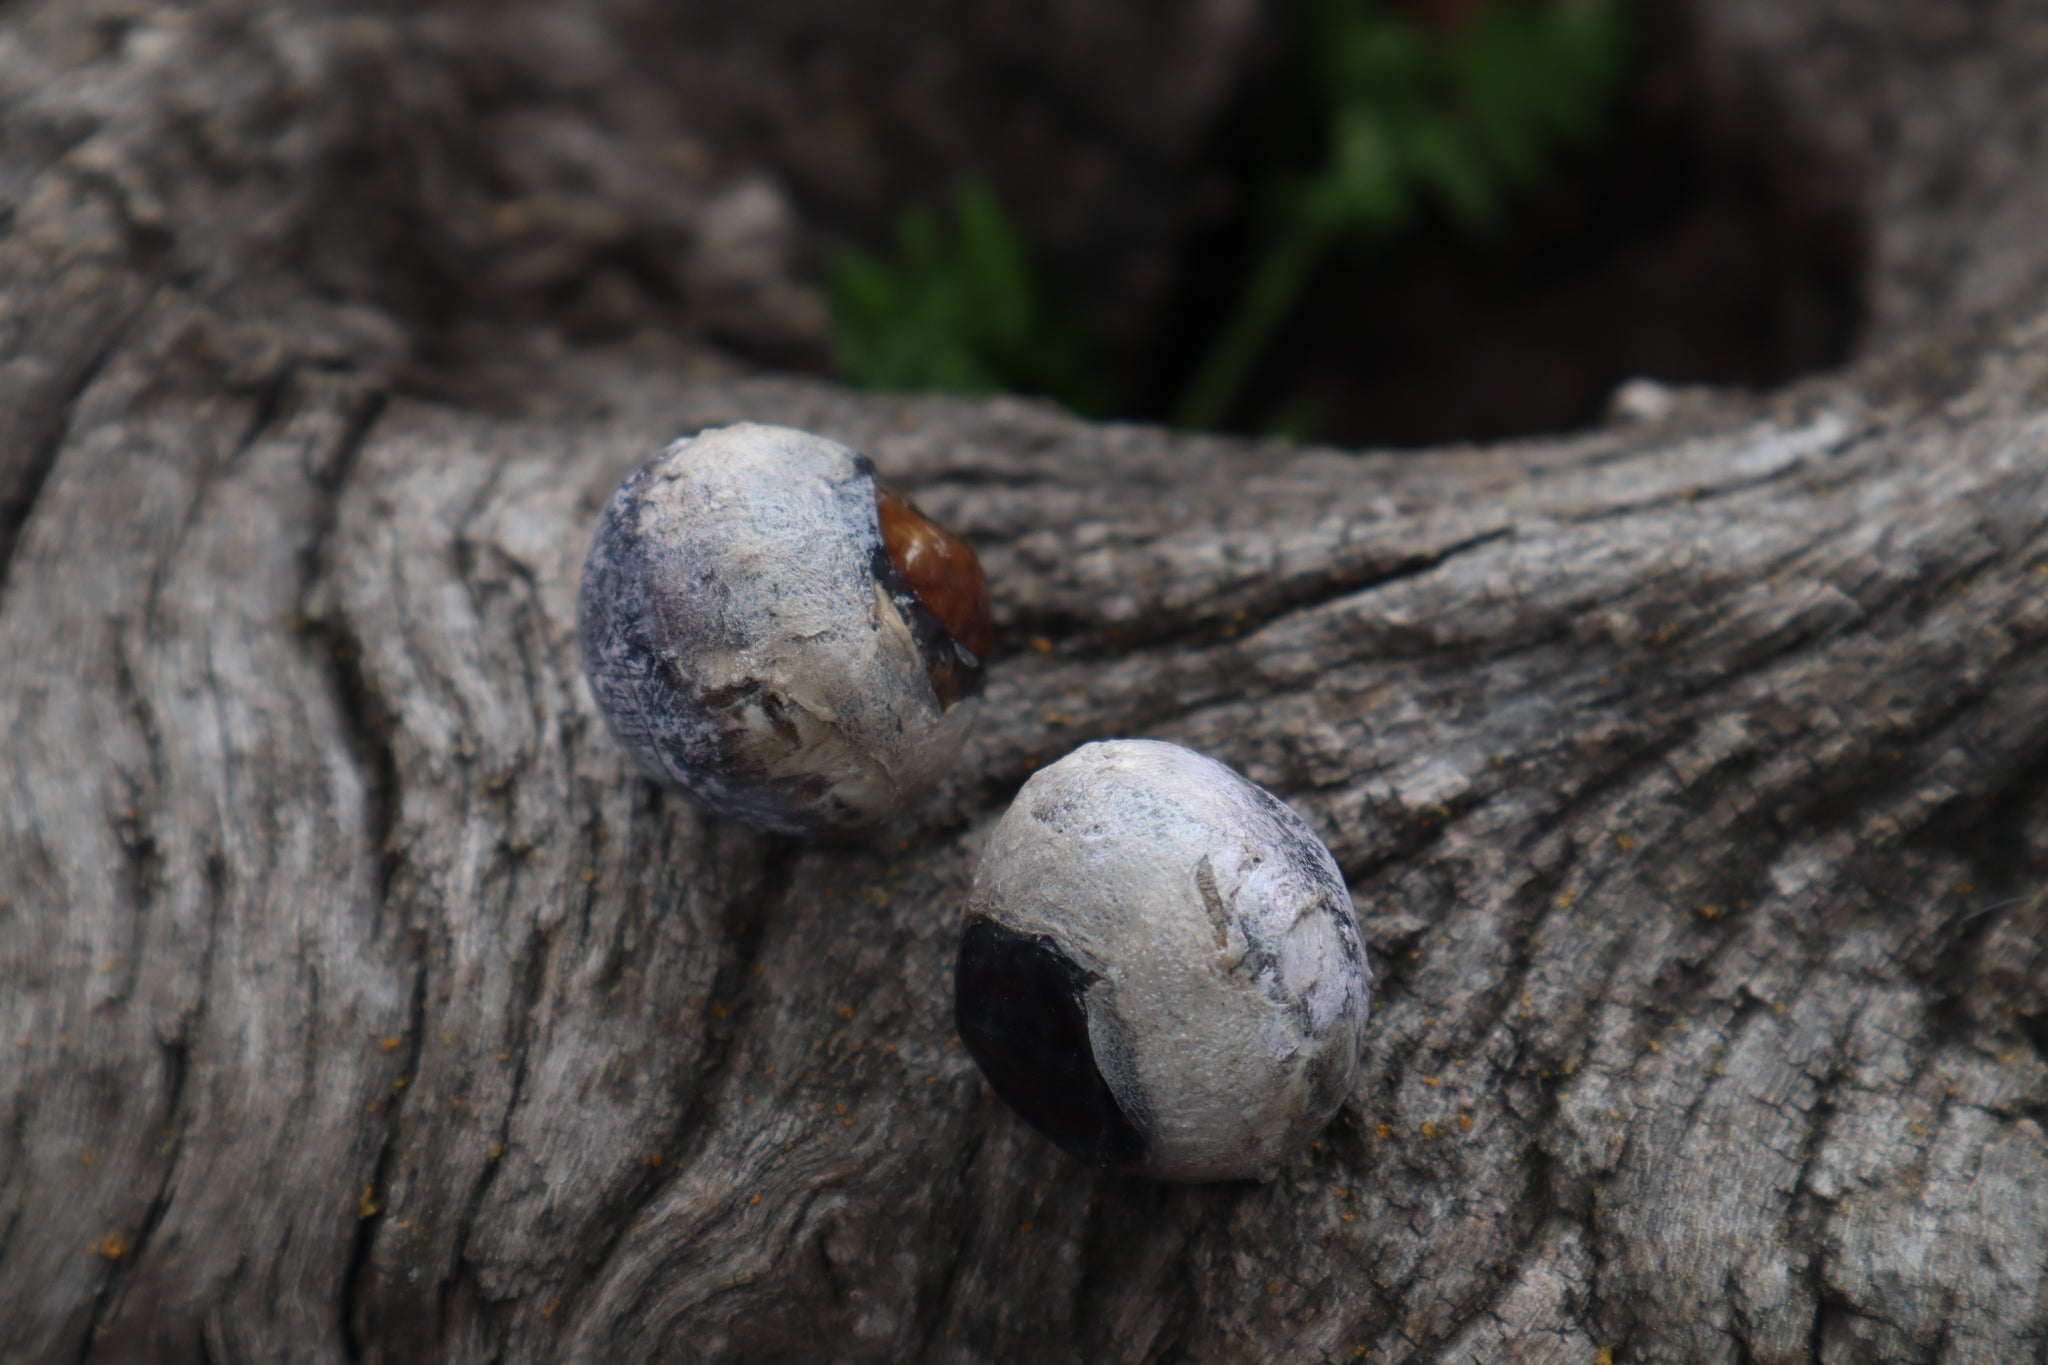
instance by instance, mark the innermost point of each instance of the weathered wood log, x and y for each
(358, 1003)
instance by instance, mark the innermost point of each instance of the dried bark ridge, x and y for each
(361, 1006)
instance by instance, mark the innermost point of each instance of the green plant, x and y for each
(1403, 118)
(962, 308)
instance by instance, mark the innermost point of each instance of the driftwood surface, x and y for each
(358, 1003)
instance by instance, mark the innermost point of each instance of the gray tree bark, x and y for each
(357, 1002)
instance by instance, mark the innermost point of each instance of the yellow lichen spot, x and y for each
(1058, 720)
(1431, 1081)
(755, 1200)
(366, 1207)
(87, 1158)
(1625, 842)
(1464, 1123)
(1614, 1113)
(1965, 888)
(846, 1012)
(1027, 1226)
(1563, 900)
(390, 1043)
(455, 1103)
(1656, 1046)
(554, 1307)
(589, 875)
(504, 1056)
(1603, 1357)
(1383, 1131)
(1429, 1128)
(112, 1246)
(497, 1150)
(1041, 644)
(1709, 911)
(718, 1011)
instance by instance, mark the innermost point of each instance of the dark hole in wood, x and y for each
(1702, 241)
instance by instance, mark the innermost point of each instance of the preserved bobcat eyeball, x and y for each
(773, 632)
(1160, 968)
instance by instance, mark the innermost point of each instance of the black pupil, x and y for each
(1021, 1008)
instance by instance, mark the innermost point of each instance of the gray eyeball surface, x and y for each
(759, 630)
(1160, 967)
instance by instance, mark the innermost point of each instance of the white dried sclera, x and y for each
(751, 641)
(1160, 967)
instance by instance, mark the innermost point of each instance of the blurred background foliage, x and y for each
(1396, 115)
(960, 307)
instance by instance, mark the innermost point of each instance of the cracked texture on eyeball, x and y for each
(1229, 994)
(741, 646)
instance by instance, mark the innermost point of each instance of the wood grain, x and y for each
(357, 1003)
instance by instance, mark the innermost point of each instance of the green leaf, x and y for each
(962, 308)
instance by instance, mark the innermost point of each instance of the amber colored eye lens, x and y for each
(941, 569)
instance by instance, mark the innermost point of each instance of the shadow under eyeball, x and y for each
(1021, 1007)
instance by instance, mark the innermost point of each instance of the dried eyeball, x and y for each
(775, 633)
(1160, 968)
